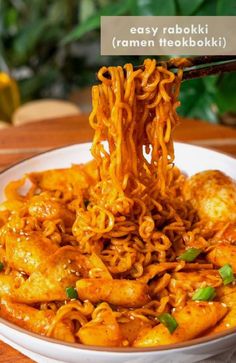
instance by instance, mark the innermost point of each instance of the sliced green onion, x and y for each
(190, 254)
(204, 294)
(1, 266)
(71, 293)
(169, 322)
(226, 274)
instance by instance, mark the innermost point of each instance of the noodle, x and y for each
(110, 233)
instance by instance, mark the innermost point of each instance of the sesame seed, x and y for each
(73, 271)
(223, 304)
(227, 325)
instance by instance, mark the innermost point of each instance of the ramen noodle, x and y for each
(124, 250)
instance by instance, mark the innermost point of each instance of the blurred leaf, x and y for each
(210, 83)
(104, 2)
(11, 18)
(53, 34)
(44, 79)
(188, 93)
(56, 12)
(87, 9)
(93, 22)
(27, 39)
(226, 7)
(208, 7)
(196, 101)
(226, 95)
(187, 7)
(154, 7)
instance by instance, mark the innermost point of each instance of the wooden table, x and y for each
(17, 143)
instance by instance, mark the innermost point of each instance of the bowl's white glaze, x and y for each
(190, 159)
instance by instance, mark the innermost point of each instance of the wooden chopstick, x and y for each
(215, 69)
(201, 60)
(213, 66)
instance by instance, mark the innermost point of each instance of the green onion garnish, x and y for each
(226, 274)
(169, 321)
(71, 293)
(204, 294)
(190, 254)
(1, 266)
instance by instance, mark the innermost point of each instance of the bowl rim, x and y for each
(180, 143)
(188, 345)
(121, 350)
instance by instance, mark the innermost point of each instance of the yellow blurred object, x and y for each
(9, 97)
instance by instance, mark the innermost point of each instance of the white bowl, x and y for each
(190, 159)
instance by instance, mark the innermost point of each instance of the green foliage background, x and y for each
(52, 47)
